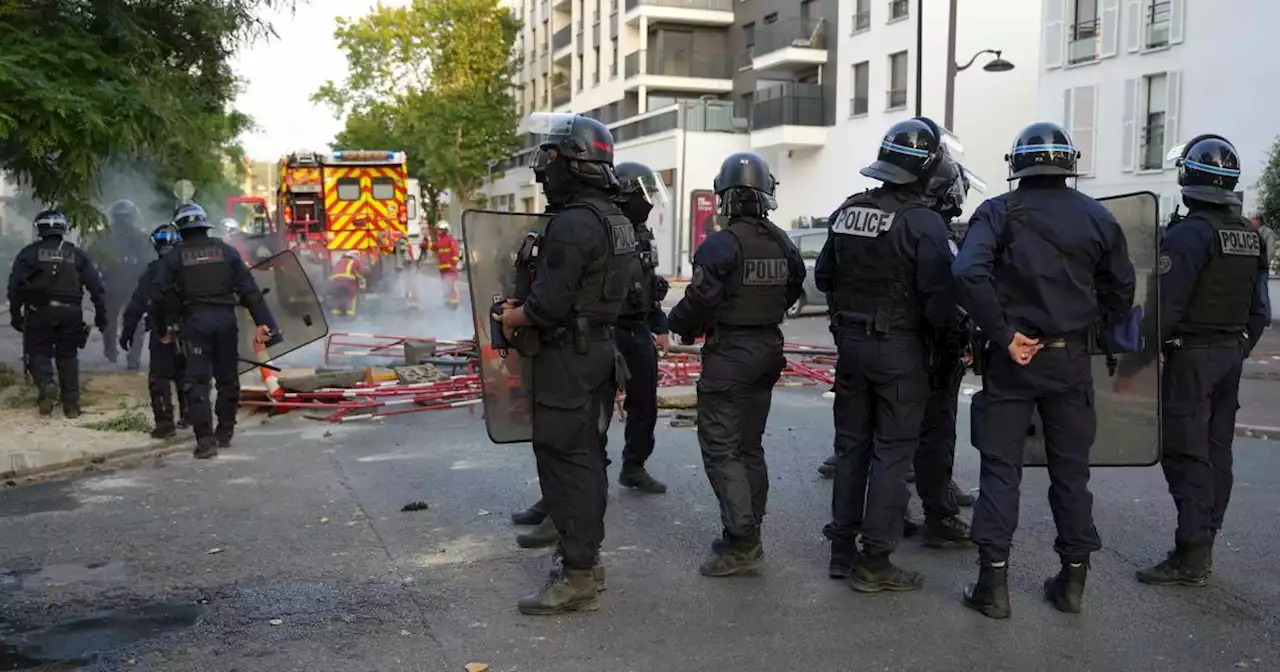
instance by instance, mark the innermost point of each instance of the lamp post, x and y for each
(996, 64)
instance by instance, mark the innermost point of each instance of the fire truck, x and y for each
(344, 201)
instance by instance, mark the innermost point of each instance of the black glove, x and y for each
(126, 342)
(100, 321)
(17, 321)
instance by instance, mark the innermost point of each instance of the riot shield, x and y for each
(293, 303)
(493, 241)
(1128, 423)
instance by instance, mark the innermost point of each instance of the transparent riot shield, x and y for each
(493, 241)
(1129, 422)
(294, 304)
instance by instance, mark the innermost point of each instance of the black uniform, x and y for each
(196, 288)
(1050, 263)
(46, 287)
(744, 278)
(886, 264)
(167, 366)
(125, 246)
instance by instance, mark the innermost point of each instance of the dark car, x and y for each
(810, 242)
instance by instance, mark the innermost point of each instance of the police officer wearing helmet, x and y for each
(193, 295)
(125, 244)
(745, 276)
(885, 264)
(165, 372)
(579, 286)
(1040, 266)
(1213, 308)
(46, 285)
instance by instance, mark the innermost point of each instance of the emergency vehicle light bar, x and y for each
(361, 155)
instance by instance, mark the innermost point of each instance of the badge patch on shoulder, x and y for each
(1240, 243)
(1166, 264)
(864, 222)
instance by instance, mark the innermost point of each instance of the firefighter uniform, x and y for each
(447, 258)
(344, 283)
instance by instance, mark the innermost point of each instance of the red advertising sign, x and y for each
(702, 214)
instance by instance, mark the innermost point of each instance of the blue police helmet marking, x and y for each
(1225, 172)
(1027, 149)
(910, 151)
(1166, 264)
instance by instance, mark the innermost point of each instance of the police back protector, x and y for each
(56, 277)
(205, 273)
(603, 290)
(1224, 288)
(757, 295)
(873, 281)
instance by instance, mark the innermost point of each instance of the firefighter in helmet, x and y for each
(345, 282)
(447, 257)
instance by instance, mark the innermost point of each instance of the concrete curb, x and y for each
(1258, 432)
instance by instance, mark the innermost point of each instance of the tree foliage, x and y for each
(135, 85)
(1269, 190)
(434, 77)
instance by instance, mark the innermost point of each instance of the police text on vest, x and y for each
(865, 222)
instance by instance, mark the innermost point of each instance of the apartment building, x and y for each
(1133, 78)
(809, 85)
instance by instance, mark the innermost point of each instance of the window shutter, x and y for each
(1173, 110)
(1166, 208)
(1084, 109)
(1054, 33)
(1066, 109)
(1110, 28)
(1177, 21)
(1132, 25)
(1129, 137)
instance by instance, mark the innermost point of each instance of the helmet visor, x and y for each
(548, 123)
(651, 186)
(52, 219)
(1175, 154)
(975, 183)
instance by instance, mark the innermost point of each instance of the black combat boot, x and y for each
(569, 590)
(734, 555)
(1066, 590)
(963, 498)
(206, 447)
(949, 532)
(843, 554)
(47, 400)
(542, 536)
(71, 407)
(910, 526)
(636, 478)
(223, 434)
(164, 430)
(597, 570)
(828, 468)
(530, 516)
(1186, 565)
(990, 595)
(874, 573)
(163, 410)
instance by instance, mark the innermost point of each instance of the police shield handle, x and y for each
(1022, 349)
(263, 335)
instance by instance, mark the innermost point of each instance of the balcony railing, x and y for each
(788, 105)
(899, 9)
(861, 21)
(1153, 147)
(1157, 24)
(897, 99)
(1084, 42)
(683, 64)
(561, 95)
(561, 39)
(715, 5)
(793, 33)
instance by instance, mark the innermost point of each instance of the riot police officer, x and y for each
(193, 296)
(46, 286)
(1214, 307)
(1040, 266)
(167, 364)
(124, 246)
(744, 278)
(886, 264)
(580, 283)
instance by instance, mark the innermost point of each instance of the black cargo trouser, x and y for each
(936, 455)
(641, 355)
(164, 375)
(116, 304)
(1058, 383)
(53, 334)
(739, 369)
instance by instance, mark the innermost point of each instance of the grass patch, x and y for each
(129, 421)
(25, 397)
(9, 377)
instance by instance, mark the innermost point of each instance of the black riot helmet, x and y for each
(124, 213)
(746, 186)
(909, 152)
(947, 188)
(164, 238)
(642, 190)
(51, 223)
(574, 150)
(1208, 169)
(190, 216)
(1042, 149)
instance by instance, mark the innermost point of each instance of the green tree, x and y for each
(93, 86)
(436, 76)
(1269, 190)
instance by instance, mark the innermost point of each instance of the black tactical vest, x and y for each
(873, 282)
(57, 279)
(1224, 289)
(641, 293)
(603, 288)
(757, 294)
(205, 273)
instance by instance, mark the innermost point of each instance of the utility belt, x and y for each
(633, 322)
(718, 331)
(54, 303)
(578, 334)
(859, 322)
(1204, 341)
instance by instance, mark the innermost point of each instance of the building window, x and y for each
(1084, 32)
(595, 72)
(899, 9)
(613, 65)
(771, 18)
(749, 37)
(805, 7)
(1156, 23)
(1157, 102)
(862, 16)
(897, 81)
(861, 89)
(582, 73)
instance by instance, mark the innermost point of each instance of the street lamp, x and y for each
(996, 64)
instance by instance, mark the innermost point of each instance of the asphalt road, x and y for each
(186, 566)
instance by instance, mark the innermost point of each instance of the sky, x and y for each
(281, 74)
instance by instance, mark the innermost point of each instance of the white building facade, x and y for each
(1133, 78)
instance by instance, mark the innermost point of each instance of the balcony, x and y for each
(561, 94)
(561, 41)
(688, 12)
(788, 117)
(861, 21)
(790, 45)
(682, 71)
(1083, 47)
(561, 5)
(1156, 28)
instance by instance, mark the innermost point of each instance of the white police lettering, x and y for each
(196, 256)
(865, 222)
(758, 272)
(51, 256)
(1240, 243)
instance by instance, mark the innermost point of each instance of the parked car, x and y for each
(810, 242)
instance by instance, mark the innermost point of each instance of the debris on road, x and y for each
(276, 621)
(414, 506)
(213, 551)
(477, 667)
